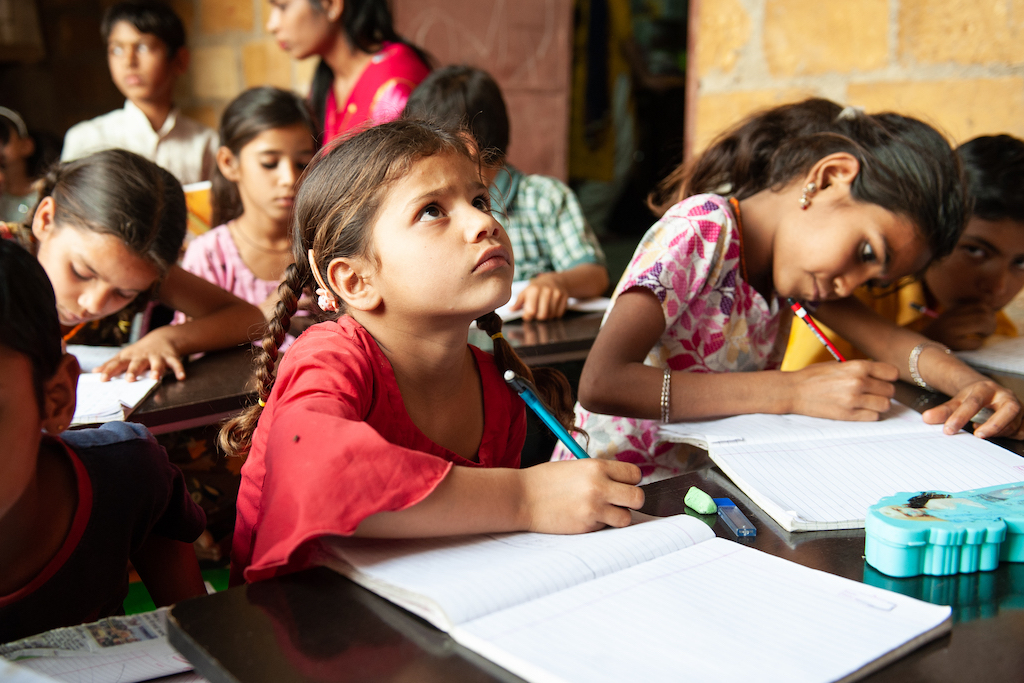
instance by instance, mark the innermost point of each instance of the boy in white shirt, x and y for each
(146, 53)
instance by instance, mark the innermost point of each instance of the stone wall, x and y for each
(958, 64)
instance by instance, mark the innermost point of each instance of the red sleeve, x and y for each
(326, 474)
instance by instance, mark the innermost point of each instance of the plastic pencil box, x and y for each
(940, 533)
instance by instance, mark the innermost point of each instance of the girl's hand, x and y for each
(856, 390)
(544, 298)
(154, 352)
(957, 411)
(572, 497)
(963, 327)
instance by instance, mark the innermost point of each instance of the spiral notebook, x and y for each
(659, 601)
(813, 474)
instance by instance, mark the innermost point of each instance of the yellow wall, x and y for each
(958, 64)
(232, 52)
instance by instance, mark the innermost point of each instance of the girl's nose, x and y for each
(93, 300)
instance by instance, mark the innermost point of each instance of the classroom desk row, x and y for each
(318, 626)
(219, 384)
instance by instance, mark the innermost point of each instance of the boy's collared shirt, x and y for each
(544, 222)
(185, 147)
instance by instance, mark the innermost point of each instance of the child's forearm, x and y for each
(558, 497)
(169, 570)
(237, 323)
(585, 281)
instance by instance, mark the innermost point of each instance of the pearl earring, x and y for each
(805, 198)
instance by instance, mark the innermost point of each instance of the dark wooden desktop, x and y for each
(219, 384)
(319, 626)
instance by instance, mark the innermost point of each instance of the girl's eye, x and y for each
(867, 253)
(79, 275)
(268, 165)
(1018, 263)
(974, 251)
(483, 202)
(431, 213)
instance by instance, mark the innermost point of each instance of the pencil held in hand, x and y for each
(801, 313)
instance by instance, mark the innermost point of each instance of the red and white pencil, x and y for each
(802, 313)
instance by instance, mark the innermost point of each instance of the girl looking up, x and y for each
(807, 201)
(384, 422)
(107, 231)
(366, 69)
(267, 139)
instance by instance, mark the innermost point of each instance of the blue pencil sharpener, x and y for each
(939, 533)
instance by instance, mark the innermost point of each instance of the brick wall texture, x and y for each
(958, 64)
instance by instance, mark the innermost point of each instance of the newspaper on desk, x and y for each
(112, 650)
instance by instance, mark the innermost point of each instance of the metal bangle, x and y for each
(666, 395)
(915, 355)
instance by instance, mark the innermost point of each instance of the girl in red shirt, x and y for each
(384, 422)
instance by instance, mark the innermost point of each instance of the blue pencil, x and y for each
(531, 399)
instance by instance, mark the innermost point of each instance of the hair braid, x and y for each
(236, 434)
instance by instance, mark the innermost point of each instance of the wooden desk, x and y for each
(319, 626)
(220, 384)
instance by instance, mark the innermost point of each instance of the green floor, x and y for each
(138, 599)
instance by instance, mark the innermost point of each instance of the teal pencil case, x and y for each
(940, 533)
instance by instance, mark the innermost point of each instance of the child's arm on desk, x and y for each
(219, 320)
(615, 380)
(548, 294)
(971, 391)
(169, 569)
(566, 497)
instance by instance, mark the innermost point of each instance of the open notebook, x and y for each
(599, 304)
(98, 402)
(810, 473)
(1002, 356)
(659, 601)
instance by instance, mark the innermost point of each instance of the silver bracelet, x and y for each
(912, 362)
(666, 394)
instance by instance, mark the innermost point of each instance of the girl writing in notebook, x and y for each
(267, 138)
(107, 231)
(384, 422)
(807, 201)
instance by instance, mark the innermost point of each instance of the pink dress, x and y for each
(214, 257)
(714, 322)
(380, 93)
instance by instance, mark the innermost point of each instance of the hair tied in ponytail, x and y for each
(849, 113)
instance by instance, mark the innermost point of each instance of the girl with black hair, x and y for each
(366, 70)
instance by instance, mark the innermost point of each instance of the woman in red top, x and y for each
(366, 70)
(384, 422)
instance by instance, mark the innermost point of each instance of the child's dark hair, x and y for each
(906, 166)
(254, 111)
(338, 201)
(116, 192)
(994, 166)
(468, 97)
(366, 24)
(28, 313)
(147, 16)
(46, 148)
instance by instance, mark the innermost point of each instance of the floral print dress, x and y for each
(714, 322)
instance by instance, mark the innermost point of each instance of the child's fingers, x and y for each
(113, 367)
(543, 303)
(520, 300)
(883, 371)
(529, 298)
(1005, 420)
(624, 472)
(136, 366)
(176, 366)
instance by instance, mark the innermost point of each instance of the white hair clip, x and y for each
(849, 113)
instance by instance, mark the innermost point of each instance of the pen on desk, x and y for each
(529, 396)
(734, 518)
(921, 308)
(801, 313)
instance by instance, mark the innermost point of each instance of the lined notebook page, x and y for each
(704, 614)
(827, 484)
(123, 664)
(1003, 356)
(99, 401)
(468, 577)
(763, 428)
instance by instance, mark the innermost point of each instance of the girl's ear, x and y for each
(333, 9)
(59, 396)
(839, 168)
(43, 222)
(349, 278)
(227, 162)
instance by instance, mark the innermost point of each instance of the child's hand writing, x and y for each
(154, 352)
(963, 327)
(857, 390)
(956, 412)
(544, 298)
(572, 497)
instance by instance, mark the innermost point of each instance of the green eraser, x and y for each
(700, 501)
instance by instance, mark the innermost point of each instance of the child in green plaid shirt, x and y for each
(554, 247)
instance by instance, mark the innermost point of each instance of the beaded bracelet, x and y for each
(912, 362)
(666, 393)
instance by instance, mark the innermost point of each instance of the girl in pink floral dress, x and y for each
(807, 201)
